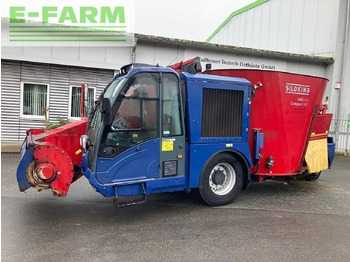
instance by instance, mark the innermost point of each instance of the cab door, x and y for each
(129, 147)
(172, 147)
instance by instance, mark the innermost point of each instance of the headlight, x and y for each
(85, 142)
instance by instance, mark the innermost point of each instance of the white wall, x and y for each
(334, 71)
(106, 57)
(157, 53)
(292, 26)
(310, 27)
(95, 57)
(165, 54)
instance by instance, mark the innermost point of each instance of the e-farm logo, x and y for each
(107, 22)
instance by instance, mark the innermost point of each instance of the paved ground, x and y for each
(303, 221)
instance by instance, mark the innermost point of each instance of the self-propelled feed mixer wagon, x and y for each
(161, 129)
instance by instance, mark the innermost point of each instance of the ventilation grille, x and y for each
(222, 113)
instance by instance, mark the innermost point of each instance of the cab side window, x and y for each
(171, 106)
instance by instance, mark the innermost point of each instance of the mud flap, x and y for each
(27, 155)
(317, 156)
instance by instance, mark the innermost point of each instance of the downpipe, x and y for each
(133, 51)
(337, 126)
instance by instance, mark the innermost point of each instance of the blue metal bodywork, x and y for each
(133, 171)
(195, 83)
(258, 143)
(201, 150)
(132, 187)
(331, 150)
(139, 162)
(200, 154)
(26, 157)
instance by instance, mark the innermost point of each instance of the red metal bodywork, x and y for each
(192, 66)
(57, 154)
(287, 109)
(320, 126)
(178, 66)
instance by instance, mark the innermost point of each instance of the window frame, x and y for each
(22, 100)
(70, 101)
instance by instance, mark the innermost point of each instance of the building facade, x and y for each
(58, 81)
(28, 87)
(247, 39)
(305, 27)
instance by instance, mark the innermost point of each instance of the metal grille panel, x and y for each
(222, 113)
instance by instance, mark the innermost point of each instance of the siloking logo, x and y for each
(104, 21)
(297, 89)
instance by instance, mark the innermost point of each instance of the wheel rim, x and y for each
(227, 179)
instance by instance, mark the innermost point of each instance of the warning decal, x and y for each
(167, 145)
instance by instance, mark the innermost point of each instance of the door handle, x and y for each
(109, 152)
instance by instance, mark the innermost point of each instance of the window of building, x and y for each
(75, 101)
(34, 99)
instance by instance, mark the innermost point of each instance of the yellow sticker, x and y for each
(167, 145)
(313, 134)
(135, 135)
(78, 152)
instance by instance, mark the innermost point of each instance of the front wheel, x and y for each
(221, 180)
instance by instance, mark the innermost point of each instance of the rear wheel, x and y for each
(313, 176)
(221, 180)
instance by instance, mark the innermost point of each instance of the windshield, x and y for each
(95, 122)
(112, 88)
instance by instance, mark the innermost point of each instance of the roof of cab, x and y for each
(214, 78)
(139, 68)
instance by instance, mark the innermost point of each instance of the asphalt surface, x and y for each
(273, 221)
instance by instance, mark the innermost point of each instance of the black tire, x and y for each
(221, 180)
(313, 176)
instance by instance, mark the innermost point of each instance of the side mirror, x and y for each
(106, 111)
